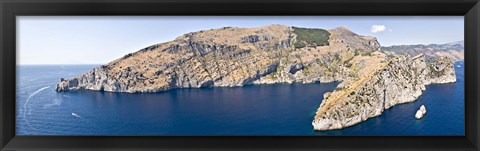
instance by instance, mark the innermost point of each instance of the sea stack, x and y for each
(421, 112)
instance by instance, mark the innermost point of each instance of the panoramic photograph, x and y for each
(240, 76)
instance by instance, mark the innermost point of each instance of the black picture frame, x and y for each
(11, 8)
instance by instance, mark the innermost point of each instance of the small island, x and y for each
(421, 112)
(372, 80)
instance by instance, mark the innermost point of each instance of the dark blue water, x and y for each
(279, 109)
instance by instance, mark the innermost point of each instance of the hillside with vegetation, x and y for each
(372, 80)
(310, 37)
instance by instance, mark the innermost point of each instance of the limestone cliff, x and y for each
(397, 81)
(230, 57)
(370, 81)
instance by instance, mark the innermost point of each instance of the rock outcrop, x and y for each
(371, 80)
(400, 80)
(229, 57)
(420, 112)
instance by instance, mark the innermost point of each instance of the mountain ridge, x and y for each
(225, 57)
(453, 50)
(232, 57)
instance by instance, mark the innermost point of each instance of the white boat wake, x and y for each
(28, 99)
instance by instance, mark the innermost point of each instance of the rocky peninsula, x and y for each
(400, 80)
(229, 57)
(371, 80)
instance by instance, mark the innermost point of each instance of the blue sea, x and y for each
(273, 110)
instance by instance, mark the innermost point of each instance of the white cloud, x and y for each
(378, 28)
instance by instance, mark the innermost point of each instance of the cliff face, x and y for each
(397, 81)
(230, 57)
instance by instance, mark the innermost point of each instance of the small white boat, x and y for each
(458, 66)
(74, 115)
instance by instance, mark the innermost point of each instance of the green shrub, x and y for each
(349, 65)
(368, 53)
(272, 75)
(310, 37)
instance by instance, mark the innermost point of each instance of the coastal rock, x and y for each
(400, 80)
(230, 57)
(371, 80)
(420, 112)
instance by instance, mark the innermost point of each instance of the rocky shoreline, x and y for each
(371, 80)
(398, 81)
(228, 57)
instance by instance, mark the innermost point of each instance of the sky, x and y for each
(101, 39)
